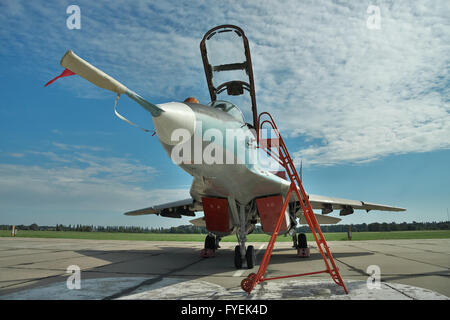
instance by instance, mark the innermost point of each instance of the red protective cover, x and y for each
(269, 210)
(216, 214)
(281, 174)
(65, 73)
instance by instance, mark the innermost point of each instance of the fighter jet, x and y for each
(233, 185)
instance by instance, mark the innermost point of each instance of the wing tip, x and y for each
(140, 212)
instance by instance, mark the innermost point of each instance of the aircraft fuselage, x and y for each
(219, 151)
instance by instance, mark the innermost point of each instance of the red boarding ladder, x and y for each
(285, 160)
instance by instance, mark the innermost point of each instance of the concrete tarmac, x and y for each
(36, 268)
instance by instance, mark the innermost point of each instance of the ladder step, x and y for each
(296, 184)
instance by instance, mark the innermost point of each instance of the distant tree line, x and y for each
(92, 228)
(404, 226)
(384, 226)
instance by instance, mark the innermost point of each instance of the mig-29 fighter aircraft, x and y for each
(231, 185)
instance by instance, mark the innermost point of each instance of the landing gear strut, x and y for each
(245, 225)
(294, 241)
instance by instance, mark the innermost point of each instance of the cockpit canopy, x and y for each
(228, 68)
(229, 108)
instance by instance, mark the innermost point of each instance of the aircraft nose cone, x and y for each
(175, 116)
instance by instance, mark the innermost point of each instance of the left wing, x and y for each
(328, 204)
(176, 209)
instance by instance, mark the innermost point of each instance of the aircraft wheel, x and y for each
(302, 243)
(237, 257)
(246, 284)
(250, 256)
(210, 242)
(252, 276)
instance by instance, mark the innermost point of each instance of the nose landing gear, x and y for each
(250, 257)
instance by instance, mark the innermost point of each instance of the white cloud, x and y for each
(363, 94)
(64, 146)
(353, 94)
(80, 182)
(15, 154)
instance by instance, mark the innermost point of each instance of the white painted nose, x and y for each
(176, 116)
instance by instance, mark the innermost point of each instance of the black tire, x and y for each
(237, 257)
(250, 256)
(302, 243)
(210, 242)
(216, 242)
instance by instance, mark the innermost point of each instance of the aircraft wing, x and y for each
(198, 222)
(321, 219)
(176, 209)
(327, 204)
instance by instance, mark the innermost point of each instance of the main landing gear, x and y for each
(302, 243)
(211, 245)
(302, 246)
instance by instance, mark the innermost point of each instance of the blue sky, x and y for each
(367, 110)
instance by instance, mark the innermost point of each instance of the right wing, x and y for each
(176, 209)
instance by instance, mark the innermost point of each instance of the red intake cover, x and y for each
(216, 214)
(269, 209)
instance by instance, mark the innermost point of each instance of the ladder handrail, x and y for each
(285, 160)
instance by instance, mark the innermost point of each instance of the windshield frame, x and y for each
(229, 108)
